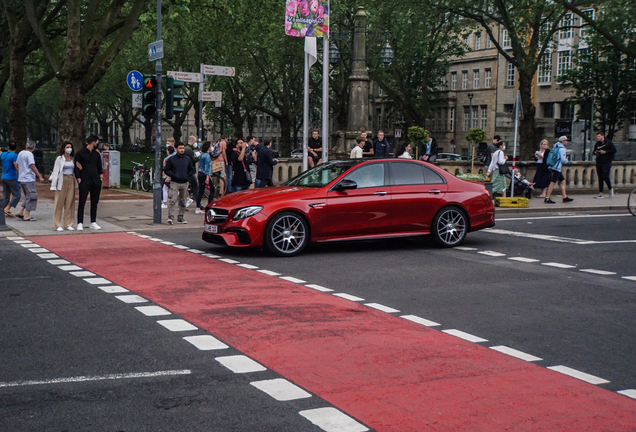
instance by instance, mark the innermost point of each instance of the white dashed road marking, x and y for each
(598, 272)
(177, 325)
(319, 288)
(15, 238)
(70, 268)
(281, 389)
(240, 364)
(381, 307)
(98, 378)
(211, 256)
(229, 261)
(113, 289)
(82, 273)
(38, 250)
(464, 248)
(631, 393)
(419, 320)
(206, 342)
(153, 310)
(578, 375)
(48, 256)
(293, 279)
(465, 336)
(332, 420)
(268, 272)
(515, 353)
(632, 278)
(248, 266)
(133, 298)
(522, 259)
(98, 281)
(492, 253)
(30, 245)
(58, 262)
(349, 297)
(558, 265)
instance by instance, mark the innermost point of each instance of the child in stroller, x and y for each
(522, 187)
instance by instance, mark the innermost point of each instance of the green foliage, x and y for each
(476, 135)
(418, 135)
(470, 177)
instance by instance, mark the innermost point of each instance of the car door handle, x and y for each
(380, 193)
(434, 191)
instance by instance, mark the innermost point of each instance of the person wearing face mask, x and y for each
(89, 175)
(63, 183)
(497, 169)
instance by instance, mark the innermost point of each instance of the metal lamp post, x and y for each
(470, 121)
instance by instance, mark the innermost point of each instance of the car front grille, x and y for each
(216, 215)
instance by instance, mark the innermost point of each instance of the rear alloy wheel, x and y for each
(449, 227)
(286, 234)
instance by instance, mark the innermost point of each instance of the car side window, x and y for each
(367, 176)
(405, 173)
(431, 177)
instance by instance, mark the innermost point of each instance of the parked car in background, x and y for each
(296, 154)
(451, 157)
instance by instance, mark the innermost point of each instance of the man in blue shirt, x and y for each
(381, 146)
(10, 179)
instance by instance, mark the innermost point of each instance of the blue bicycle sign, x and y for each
(134, 80)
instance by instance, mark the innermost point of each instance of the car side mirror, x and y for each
(346, 185)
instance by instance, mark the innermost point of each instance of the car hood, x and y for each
(262, 196)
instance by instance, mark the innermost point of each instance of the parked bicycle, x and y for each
(631, 202)
(142, 176)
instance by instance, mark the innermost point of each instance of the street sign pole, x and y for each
(156, 188)
(201, 89)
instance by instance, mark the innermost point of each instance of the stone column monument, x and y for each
(358, 83)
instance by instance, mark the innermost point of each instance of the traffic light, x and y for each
(173, 96)
(149, 92)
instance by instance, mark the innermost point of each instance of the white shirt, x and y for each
(405, 155)
(356, 152)
(497, 158)
(25, 160)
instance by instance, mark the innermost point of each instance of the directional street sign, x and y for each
(186, 76)
(155, 50)
(211, 96)
(137, 100)
(219, 70)
(134, 79)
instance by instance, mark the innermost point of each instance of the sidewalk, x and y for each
(582, 202)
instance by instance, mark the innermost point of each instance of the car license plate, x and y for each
(214, 229)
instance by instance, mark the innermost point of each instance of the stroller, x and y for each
(522, 187)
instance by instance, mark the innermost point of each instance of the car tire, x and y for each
(449, 227)
(286, 234)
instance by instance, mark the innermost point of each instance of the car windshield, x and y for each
(323, 174)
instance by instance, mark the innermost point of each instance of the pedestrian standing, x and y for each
(251, 157)
(497, 177)
(492, 148)
(203, 176)
(543, 176)
(166, 184)
(381, 147)
(63, 183)
(367, 148)
(89, 175)
(557, 177)
(190, 152)
(357, 152)
(604, 150)
(10, 186)
(221, 159)
(27, 173)
(240, 181)
(231, 148)
(265, 164)
(179, 170)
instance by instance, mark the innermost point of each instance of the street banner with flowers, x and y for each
(307, 18)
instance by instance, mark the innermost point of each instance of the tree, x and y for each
(530, 26)
(96, 33)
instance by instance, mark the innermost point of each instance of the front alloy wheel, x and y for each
(286, 234)
(449, 227)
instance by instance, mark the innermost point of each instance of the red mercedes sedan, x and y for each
(351, 200)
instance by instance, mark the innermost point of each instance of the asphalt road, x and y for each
(54, 327)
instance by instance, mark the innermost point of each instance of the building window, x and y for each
(548, 110)
(476, 79)
(443, 83)
(544, 74)
(510, 75)
(475, 122)
(488, 43)
(477, 41)
(567, 110)
(466, 118)
(584, 30)
(464, 80)
(466, 40)
(454, 81)
(505, 38)
(566, 27)
(564, 62)
(487, 78)
(484, 117)
(452, 120)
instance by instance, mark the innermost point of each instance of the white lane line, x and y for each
(39, 250)
(153, 310)
(419, 320)
(155, 239)
(97, 378)
(558, 265)
(332, 420)
(196, 251)
(268, 272)
(58, 262)
(578, 375)
(240, 364)
(248, 266)
(167, 243)
(515, 353)
(631, 393)
(211, 256)
(15, 238)
(533, 236)
(113, 289)
(30, 245)
(181, 247)
(229, 261)
(281, 389)
(562, 217)
(70, 267)
(465, 336)
(131, 232)
(48, 256)
(144, 236)
(131, 298)
(206, 342)
(464, 248)
(632, 278)
(177, 325)
(349, 297)
(82, 273)
(319, 288)
(98, 281)
(293, 279)
(522, 259)
(598, 272)
(382, 308)
(23, 242)
(492, 253)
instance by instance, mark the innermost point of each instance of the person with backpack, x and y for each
(218, 154)
(604, 150)
(556, 159)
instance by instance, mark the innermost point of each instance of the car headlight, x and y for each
(246, 212)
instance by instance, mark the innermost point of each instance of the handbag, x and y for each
(248, 176)
(217, 166)
(504, 169)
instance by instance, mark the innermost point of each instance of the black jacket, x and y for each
(91, 162)
(610, 150)
(381, 148)
(265, 164)
(179, 168)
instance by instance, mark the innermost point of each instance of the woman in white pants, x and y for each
(63, 183)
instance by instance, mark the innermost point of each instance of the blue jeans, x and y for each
(240, 188)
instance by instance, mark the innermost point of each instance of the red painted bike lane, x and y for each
(390, 373)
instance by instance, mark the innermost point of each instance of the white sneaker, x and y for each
(199, 211)
(94, 226)
(599, 196)
(59, 229)
(612, 194)
(188, 202)
(70, 228)
(80, 227)
(163, 206)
